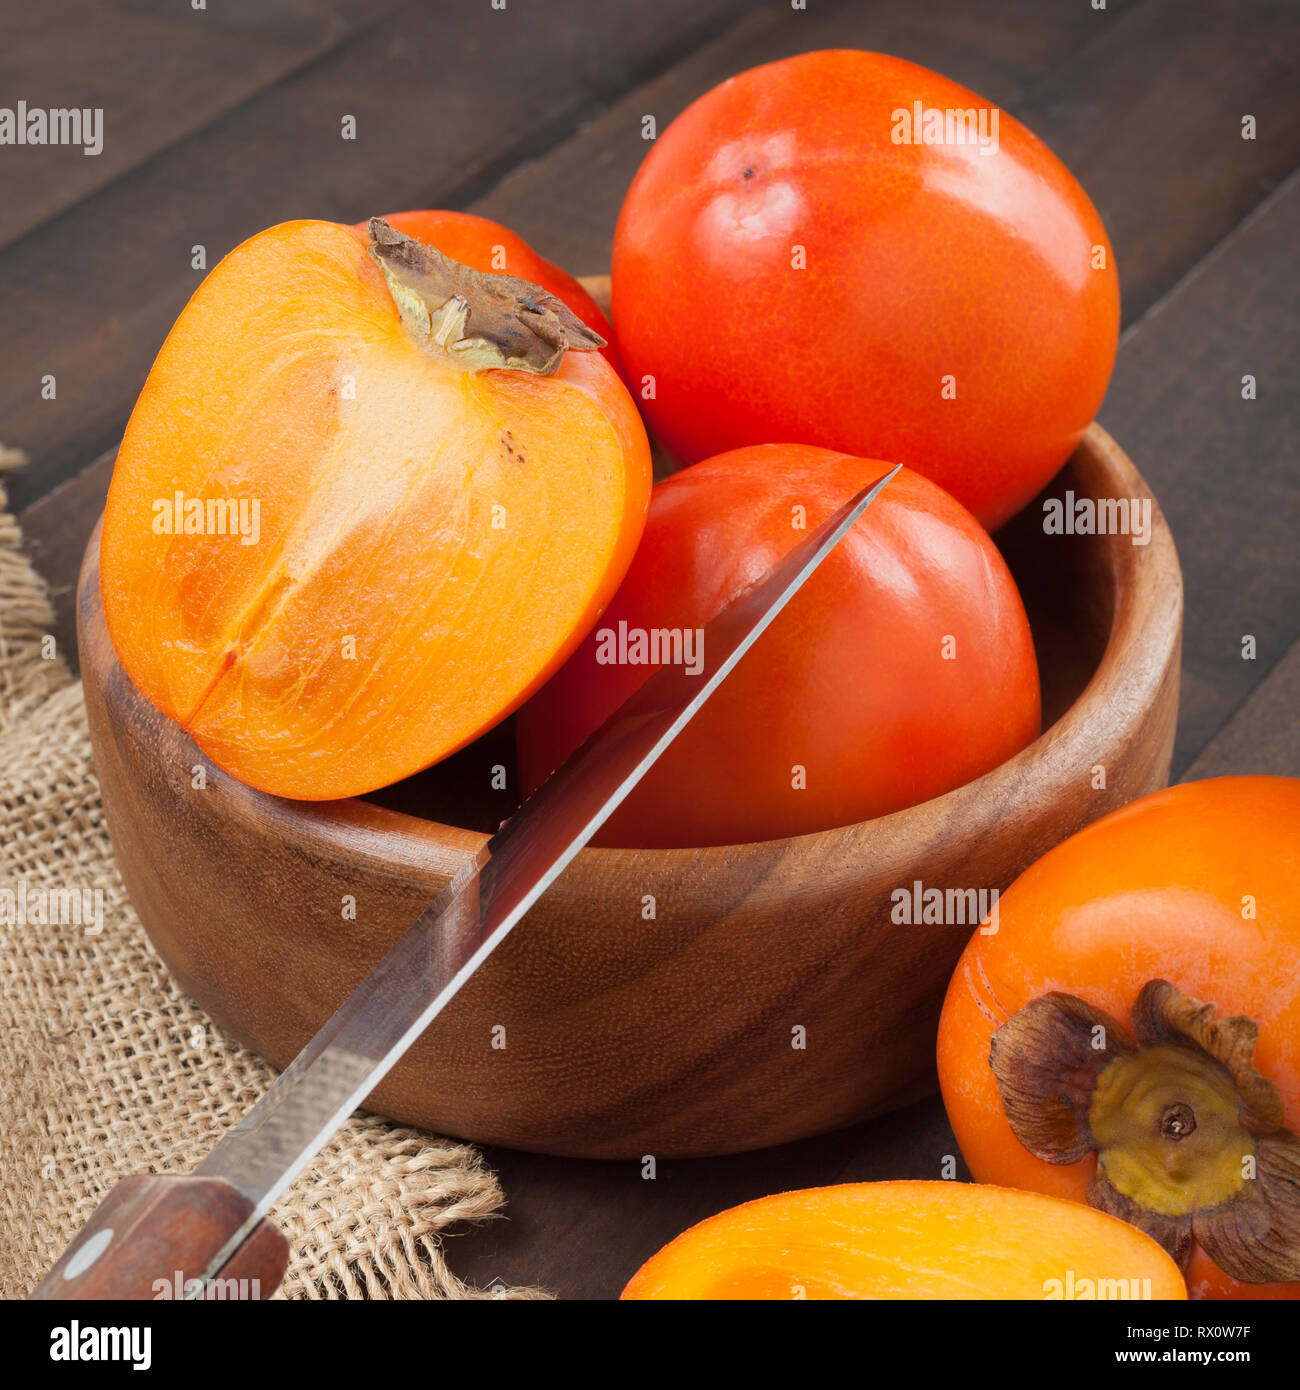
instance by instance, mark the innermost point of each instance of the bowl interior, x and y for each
(1069, 595)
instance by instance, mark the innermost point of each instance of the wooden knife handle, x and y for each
(151, 1235)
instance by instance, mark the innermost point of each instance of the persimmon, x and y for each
(909, 1240)
(901, 670)
(484, 245)
(845, 249)
(1129, 1036)
(368, 500)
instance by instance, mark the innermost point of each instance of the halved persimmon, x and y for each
(909, 1240)
(368, 500)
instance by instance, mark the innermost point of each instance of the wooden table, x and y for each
(222, 121)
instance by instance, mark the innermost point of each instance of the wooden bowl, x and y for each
(625, 1036)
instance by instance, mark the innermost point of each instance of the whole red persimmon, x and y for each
(800, 257)
(482, 244)
(902, 669)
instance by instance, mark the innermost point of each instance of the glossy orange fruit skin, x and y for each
(1152, 891)
(922, 262)
(901, 1240)
(850, 683)
(482, 244)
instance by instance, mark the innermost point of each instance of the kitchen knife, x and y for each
(206, 1234)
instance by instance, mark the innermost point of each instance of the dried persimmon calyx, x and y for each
(479, 319)
(1187, 1133)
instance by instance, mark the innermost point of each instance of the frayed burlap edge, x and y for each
(107, 1069)
(26, 680)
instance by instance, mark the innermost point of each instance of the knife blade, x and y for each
(484, 900)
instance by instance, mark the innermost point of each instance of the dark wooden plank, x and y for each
(446, 98)
(1263, 736)
(1224, 468)
(158, 73)
(1149, 119)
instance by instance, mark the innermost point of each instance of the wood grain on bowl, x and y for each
(625, 1035)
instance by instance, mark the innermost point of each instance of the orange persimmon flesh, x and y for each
(432, 540)
(909, 1240)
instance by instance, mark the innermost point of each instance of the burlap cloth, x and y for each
(106, 1069)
